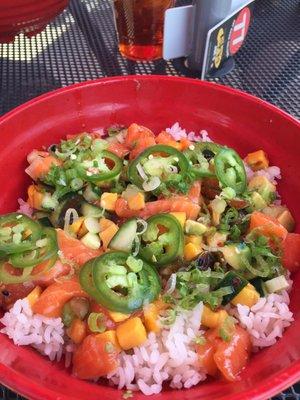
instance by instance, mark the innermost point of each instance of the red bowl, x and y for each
(235, 118)
(27, 16)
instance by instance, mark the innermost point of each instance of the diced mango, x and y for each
(136, 202)
(257, 160)
(131, 333)
(213, 319)
(83, 230)
(75, 227)
(35, 197)
(77, 331)
(111, 337)
(34, 295)
(180, 216)
(108, 201)
(247, 296)
(151, 314)
(105, 223)
(117, 316)
(108, 234)
(196, 240)
(191, 251)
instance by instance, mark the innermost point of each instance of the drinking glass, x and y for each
(140, 25)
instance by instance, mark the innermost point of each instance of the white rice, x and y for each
(168, 356)
(266, 320)
(44, 334)
(178, 133)
(272, 173)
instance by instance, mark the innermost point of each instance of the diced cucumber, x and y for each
(194, 228)
(89, 210)
(49, 202)
(277, 284)
(91, 240)
(260, 286)
(233, 255)
(258, 202)
(263, 186)
(124, 238)
(90, 194)
(92, 224)
(235, 282)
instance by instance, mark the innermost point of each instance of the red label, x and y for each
(239, 30)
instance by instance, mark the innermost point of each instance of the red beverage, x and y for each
(140, 25)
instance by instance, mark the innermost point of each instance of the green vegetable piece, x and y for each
(157, 166)
(230, 170)
(194, 228)
(123, 240)
(200, 155)
(168, 246)
(259, 285)
(277, 284)
(234, 281)
(127, 296)
(10, 277)
(227, 329)
(235, 255)
(96, 322)
(95, 169)
(68, 315)
(44, 250)
(13, 242)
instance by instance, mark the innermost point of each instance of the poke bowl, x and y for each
(186, 252)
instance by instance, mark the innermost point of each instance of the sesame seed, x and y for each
(192, 147)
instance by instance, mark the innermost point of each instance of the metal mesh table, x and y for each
(80, 44)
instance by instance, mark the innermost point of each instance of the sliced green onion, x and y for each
(96, 322)
(263, 273)
(71, 174)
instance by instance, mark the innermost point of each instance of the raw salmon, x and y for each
(267, 225)
(232, 357)
(40, 163)
(74, 249)
(52, 300)
(119, 149)
(135, 133)
(58, 270)
(194, 193)
(9, 294)
(95, 357)
(140, 145)
(175, 204)
(179, 203)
